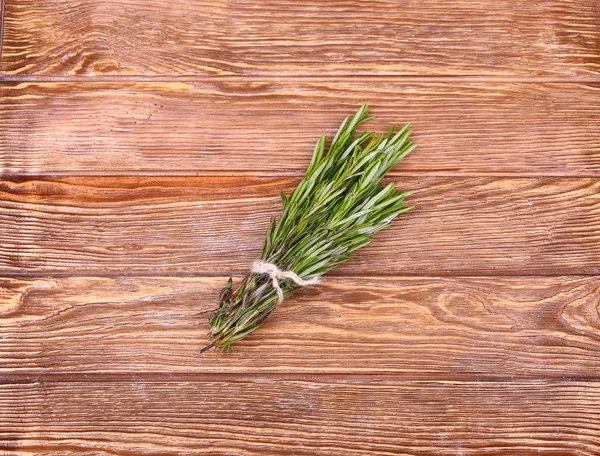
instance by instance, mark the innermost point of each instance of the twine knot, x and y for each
(276, 274)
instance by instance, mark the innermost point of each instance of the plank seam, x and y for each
(22, 176)
(482, 79)
(8, 378)
(466, 274)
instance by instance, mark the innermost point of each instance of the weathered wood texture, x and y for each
(216, 225)
(301, 417)
(272, 126)
(473, 328)
(143, 146)
(168, 37)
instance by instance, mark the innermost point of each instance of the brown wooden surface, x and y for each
(455, 328)
(143, 146)
(309, 416)
(216, 225)
(211, 125)
(218, 37)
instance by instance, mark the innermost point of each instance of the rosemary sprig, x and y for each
(335, 210)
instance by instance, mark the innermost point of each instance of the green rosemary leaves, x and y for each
(335, 210)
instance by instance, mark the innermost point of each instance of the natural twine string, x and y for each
(276, 274)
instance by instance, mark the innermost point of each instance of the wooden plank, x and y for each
(411, 327)
(1, 31)
(217, 37)
(272, 126)
(216, 226)
(302, 417)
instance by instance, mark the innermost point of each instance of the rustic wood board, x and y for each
(216, 225)
(271, 126)
(383, 37)
(143, 146)
(458, 328)
(303, 416)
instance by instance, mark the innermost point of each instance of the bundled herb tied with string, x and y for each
(335, 210)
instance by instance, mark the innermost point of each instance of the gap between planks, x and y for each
(23, 176)
(405, 78)
(26, 378)
(476, 273)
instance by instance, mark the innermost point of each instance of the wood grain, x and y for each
(467, 328)
(143, 147)
(302, 417)
(216, 226)
(218, 37)
(271, 126)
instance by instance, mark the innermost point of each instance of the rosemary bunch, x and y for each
(336, 209)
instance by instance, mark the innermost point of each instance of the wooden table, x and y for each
(143, 146)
